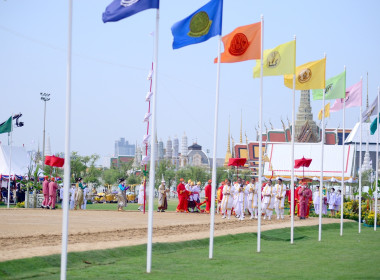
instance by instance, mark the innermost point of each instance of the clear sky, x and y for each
(111, 62)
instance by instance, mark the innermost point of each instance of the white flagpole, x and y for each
(260, 136)
(292, 157)
(152, 171)
(377, 156)
(360, 165)
(321, 179)
(10, 164)
(343, 138)
(213, 183)
(67, 175)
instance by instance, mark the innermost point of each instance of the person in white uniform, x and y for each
(252, 198)
(236, 188)
(268, 200)
(85, 193)
(195, 191)
(140, 198)
(338, 201)
(72, 196)
(241, 203)
(316, 201)
(332, 201)
(279, 199)
(227, 201)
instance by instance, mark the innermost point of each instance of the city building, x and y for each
(123, 148)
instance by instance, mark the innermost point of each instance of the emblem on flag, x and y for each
(127, 3)
(273, 59)
(328, 88)
(304, 76)
(239, 44)
(200, 24)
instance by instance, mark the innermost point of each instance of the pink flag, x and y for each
(353, 98)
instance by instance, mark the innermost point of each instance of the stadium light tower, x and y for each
(44, 97)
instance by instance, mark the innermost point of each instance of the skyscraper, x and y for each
(123, 148)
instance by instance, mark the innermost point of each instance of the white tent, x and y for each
(20, 160)
(279, 155)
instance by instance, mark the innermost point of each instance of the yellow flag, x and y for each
(277, 61)
(327, 112)
(308, 76)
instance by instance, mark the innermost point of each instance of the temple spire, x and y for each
(228, 153)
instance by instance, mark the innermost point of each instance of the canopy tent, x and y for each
(279, 155)
(20, 160)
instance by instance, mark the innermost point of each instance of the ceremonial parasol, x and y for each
(54, 161)
(304, 162)
(237, 162)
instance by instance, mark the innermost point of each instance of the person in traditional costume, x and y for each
(140, 197)
(195, 191)
(208, 196)
(338, 201)
(85, 195)
(182, 196)
(45, 191)
(236, 188)
(189, 197)
(316, 201)
(241, 203)
(72, 196)
(122, 195)
(79, 194)
(252, 198)
(162, 196)
(53, 186)
(227, 201)
(289, 196)
(332, 201)
(325, 200)
(304, 193)
(279, 201)
(219, 196)
(297, 199)
(268, 200)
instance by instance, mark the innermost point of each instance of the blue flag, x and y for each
(200, 26)
(120, 9)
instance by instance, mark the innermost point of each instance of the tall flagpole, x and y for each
(321, 179)
(10, 164)
(67, 175)
(292, 158)
(213, 183)
(152, 171)
(377, 156)
(360, 164)
(260, 136)
(343, 138)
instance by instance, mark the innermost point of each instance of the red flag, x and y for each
(54, 161)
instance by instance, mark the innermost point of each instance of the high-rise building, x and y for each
(160, 150)
(184, 151)
(123, 148)
(169, 149)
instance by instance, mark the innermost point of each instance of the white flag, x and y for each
(371, 111)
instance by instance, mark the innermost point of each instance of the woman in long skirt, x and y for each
(121, 197)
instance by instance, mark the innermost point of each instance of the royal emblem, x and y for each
(239, 44)
(127, 3)
(273, 59)
(200, 24)
(304, 76)
(328, 88)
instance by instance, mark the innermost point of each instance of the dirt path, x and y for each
(35, 232)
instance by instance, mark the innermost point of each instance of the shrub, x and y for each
(20, 204)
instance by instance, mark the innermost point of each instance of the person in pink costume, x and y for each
(45, 191)
(53, 186)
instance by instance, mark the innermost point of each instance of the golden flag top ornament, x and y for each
(310, 75)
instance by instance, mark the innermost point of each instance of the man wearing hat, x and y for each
(208, 196)
(45, 191)
(53, 186)
(140, 198)
(228, 200)
(268, 200)
(253, 187)
(280, 199)
(162, 196)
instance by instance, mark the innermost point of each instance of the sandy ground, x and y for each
(36, 232)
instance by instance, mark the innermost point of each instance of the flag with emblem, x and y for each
(244, 43)
(200, 26)
(327, 112)
(120, 9)
(277, 61)
(353, 98)
(335, 88)
(6, 126)
(370, 111)
(310, 75)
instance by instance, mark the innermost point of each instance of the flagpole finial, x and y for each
(294, 36)
(262, 16)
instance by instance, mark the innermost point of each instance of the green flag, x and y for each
(7, 126)
(335, 88)
(373, 126)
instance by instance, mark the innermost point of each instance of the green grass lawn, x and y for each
(353, 256)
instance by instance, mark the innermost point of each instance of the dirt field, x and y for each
(36, 232)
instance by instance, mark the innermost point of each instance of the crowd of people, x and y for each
(241, 198)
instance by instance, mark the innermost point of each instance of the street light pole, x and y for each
(44, 97)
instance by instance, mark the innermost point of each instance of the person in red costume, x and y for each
(219, 196)
(45, 191)
(304, 194)
(182, 197)
(208, 196)
(289, 196)
(297, 199)
(53, 186)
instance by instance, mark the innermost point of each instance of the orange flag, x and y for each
(244, 43)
